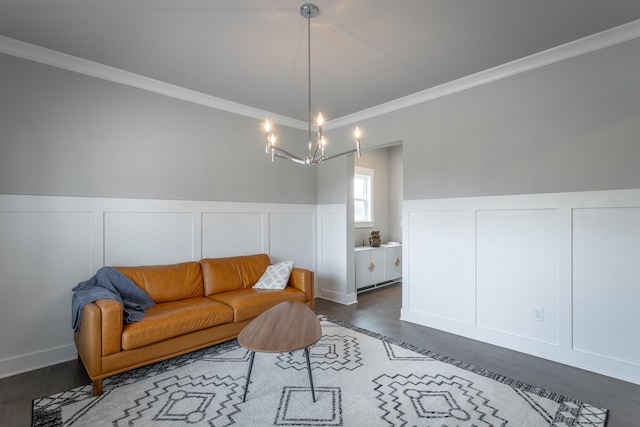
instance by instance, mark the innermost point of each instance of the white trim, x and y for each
(569, 50)
(433, 226)
(572, 49)
(89, 230)
(101, 71)
(331, 274)
(364, 224)
(370, 173)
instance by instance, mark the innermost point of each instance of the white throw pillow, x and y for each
(276, 276)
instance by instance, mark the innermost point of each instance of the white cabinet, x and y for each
(377, 265)
(392, 262)
(363, 263)
(369, 266)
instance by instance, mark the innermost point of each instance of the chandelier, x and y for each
(316, 151)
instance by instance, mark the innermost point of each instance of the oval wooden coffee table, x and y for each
(287, 327)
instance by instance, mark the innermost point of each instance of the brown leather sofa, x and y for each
(198, 304)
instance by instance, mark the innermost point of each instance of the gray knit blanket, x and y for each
(110, 283)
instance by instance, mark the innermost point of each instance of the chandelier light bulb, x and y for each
(267, 130)
(272, 144)
(320, 119)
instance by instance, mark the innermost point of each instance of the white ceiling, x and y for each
(364, 52)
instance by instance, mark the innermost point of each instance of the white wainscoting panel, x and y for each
(606, 282)
(331, 276)
(481, 266)
(442, 264)
(232, 234)
(285, 243)
(517, 272)
(50, 244)
(148, 238)
(42, 256)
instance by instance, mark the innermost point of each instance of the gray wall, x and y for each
(62, 133)
(570, 126)
(395, 193)
(378, 160)
(387, 165)
(333, 177)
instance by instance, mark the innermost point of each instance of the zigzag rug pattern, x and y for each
(360, 377)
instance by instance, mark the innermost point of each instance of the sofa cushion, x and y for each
(232, 274)
(174, 318)
(167, 282)
(248, 303)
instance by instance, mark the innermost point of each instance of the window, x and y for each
(363, 197)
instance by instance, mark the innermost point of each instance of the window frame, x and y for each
(370, 175)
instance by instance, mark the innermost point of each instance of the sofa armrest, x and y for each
(303, 279)
(100, 333)
(111, 328)
(88, 339)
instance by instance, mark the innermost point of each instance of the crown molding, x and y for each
(572, 49)
(569, 50)
(57, 59)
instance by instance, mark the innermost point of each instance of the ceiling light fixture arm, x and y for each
(346, 153)
(284, 154)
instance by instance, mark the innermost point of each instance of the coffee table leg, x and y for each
(246, 386)
(313, 393)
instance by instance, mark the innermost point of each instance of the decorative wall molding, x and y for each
(101, 71)
(569, 50)
(331, 280)
(572, 49)
(49, 244)
(480, 267)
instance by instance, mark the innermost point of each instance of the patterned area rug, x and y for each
(360, 378)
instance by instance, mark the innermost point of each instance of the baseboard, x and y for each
(347, 299)
(600, 365)
(41, 359)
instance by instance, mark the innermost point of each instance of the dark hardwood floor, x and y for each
(379, 311)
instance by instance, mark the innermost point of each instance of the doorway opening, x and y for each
(377, 194)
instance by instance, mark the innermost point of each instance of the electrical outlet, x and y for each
(537, 314)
